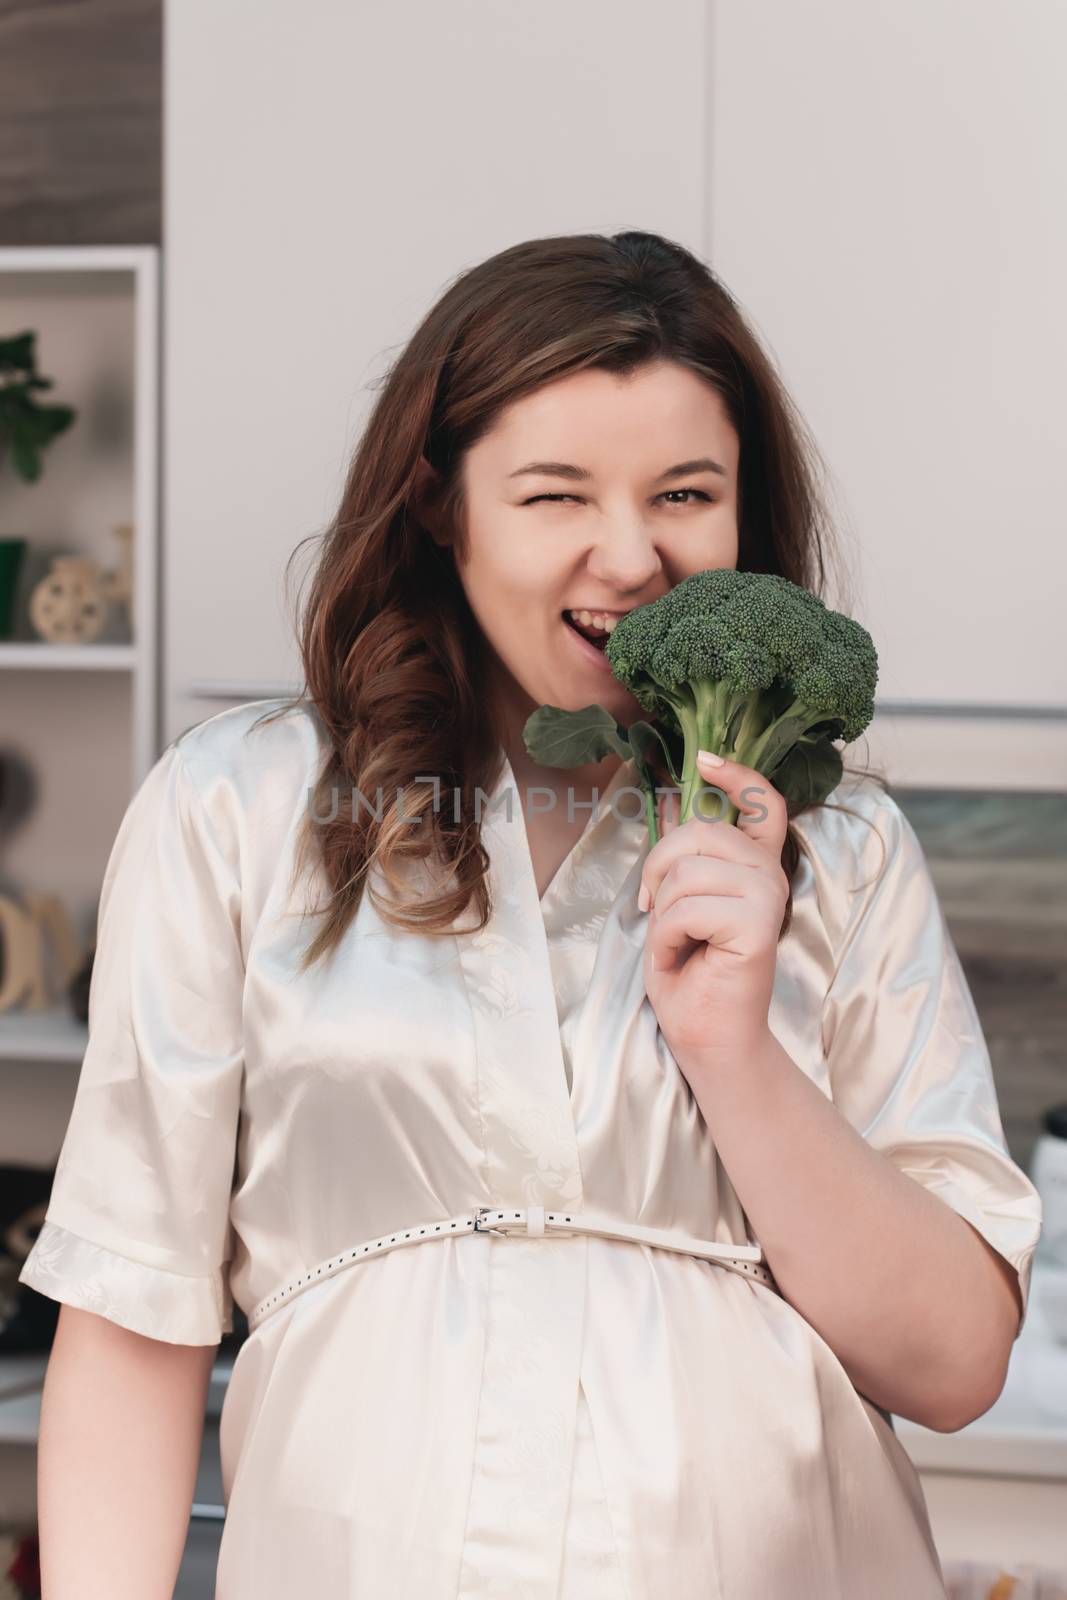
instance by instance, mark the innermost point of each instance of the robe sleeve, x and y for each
(137, 1227)
(907, 1060)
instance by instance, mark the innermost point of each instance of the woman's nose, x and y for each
(626, 558)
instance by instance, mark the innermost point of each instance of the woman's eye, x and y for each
(700, 492)
(559, 497)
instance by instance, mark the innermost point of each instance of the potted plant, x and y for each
(26, 428)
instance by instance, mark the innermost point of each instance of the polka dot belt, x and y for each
(529, 1222)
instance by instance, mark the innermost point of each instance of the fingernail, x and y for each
(710, 758)
(643, 899)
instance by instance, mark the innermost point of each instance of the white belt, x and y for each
(531, 1222)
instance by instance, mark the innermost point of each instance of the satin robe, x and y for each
(569, 1418)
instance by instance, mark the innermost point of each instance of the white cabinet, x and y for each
(882, 182)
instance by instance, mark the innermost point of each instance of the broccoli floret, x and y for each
(754, 668)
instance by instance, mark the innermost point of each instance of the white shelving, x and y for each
(25, 655)
(83, 718)
(33, 283)
(52, 1035)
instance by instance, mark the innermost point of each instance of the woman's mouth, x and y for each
(589, 638)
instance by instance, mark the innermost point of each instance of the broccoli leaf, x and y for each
(559, 738)
(646, 738)
(808, 773)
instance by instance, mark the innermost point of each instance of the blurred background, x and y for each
(218, 223)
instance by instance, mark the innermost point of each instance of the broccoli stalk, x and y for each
(757, 728)
(747, 665)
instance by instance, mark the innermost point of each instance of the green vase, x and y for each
(12, 552)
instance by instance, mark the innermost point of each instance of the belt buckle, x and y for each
(483, 1227)
(532, 1228)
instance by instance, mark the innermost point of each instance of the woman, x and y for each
(437, 1036)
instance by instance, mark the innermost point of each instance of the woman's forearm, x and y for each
(122, 1420)
(918, 1308)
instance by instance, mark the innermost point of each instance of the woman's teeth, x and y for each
(594, 619)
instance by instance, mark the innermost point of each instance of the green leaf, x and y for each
(558, 738)
(646, 742)
(733, 727)
(25, 456)
(808, 773)
(775, 744)
(671, 742)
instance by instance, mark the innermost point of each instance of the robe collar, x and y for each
(611, 840)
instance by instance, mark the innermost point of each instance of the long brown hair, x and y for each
(393, 658)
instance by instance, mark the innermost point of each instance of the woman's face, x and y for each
(607, 521)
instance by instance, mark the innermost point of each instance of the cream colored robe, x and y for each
(480, 1416)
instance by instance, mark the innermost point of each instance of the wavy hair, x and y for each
(393, 659)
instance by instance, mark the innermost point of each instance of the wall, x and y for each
(377, 151)
(869, 181)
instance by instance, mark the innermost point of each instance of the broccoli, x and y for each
(745, 664)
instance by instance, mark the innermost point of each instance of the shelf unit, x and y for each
(39, 286)
(84, 718)
(72, 710)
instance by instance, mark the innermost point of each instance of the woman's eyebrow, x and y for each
(564, 469)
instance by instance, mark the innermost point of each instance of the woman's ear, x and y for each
(426, 501)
